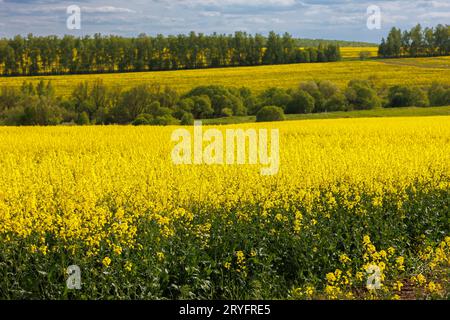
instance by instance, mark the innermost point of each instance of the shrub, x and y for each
(183, 106)
(42, 111)
(365, 55)
(404, 96)
(142, 120)
(83, 119)
(439, 95)
(226, 112)
(270, 113)
(187, 119)
(274, 97)
(163, 121)
(202, 107)
(302, 102)
(361, 95)
(327, 88)
(337, 102)
(219, 97)
(314, 90)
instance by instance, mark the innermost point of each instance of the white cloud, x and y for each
(435, 15)
(106, 9)
(239, 2)
(210, 14)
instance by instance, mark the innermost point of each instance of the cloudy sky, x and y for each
(329, 19)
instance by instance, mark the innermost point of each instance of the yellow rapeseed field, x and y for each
(414, 71)
(349, 194)
(354, 52)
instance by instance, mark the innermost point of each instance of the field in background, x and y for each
(352, 53)
(420, 71)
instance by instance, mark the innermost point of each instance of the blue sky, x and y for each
(333, 19)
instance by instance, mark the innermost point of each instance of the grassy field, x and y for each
(376, 113)
(420, 71)
(350, 194)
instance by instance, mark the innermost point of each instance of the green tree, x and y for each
(302, 102)
(405, 96)
(270, 113)
(362, 96)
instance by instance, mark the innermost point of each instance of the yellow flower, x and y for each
(279, 217)
(398, 285)
(309, 291)
(117, 250)
(331, 277)
(420, 279)
(160, 255)
(360, 276)
(344, 258)
(400, 261)
(391, 251)
(227, 265)
(128, 266)
(106, 261)
(240, 258)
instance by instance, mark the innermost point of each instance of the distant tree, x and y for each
(416, 42)
(327, 88)
(302, 102)
(143, 119)
(364, 55)
(312, 87)
(227, 112)
(361, 95)
(273, 97)
(202, 107)
(182, 107)
(83, 119)
(439, 95)
(337, 102)
(405, 96)
(187, 119)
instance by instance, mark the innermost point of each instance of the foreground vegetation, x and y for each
(351, 194)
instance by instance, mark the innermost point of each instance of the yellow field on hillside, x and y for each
(420, 71)
(353, 52)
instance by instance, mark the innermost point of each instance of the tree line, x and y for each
(416, 42)
(33, 55)
(157, 105)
